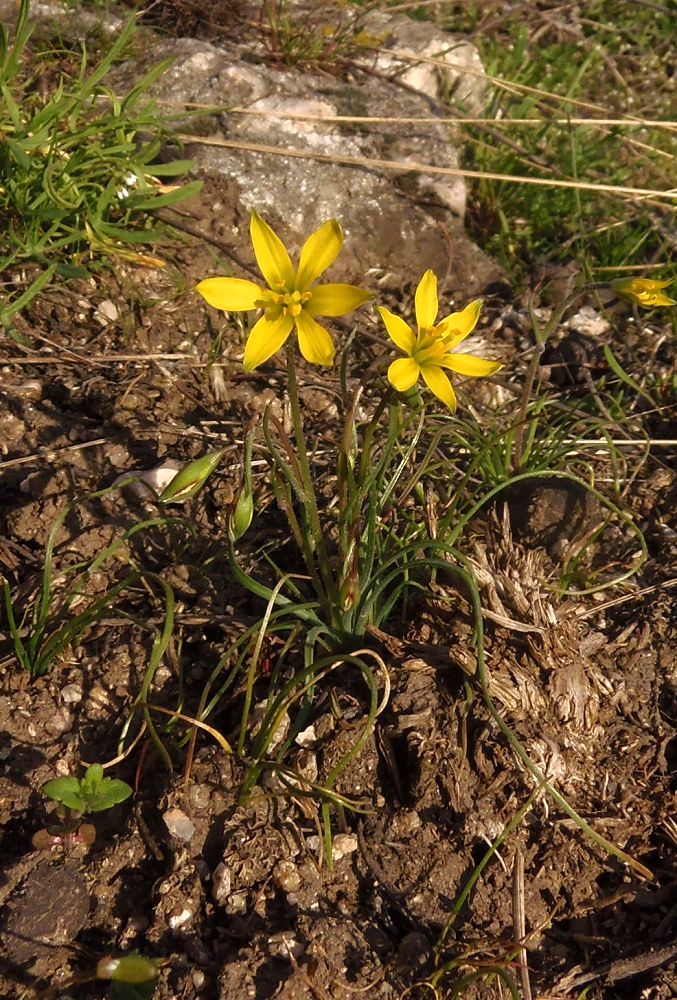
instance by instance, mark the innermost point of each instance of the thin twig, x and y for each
(519, 920)
(407, 166)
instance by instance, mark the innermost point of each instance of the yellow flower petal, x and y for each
(271, 255)
(335, 300)
(458, 325)
(403, 374)
(232, 294)
(319, 251)
(266, 338)
(657, 299)
(469, 364)
(314, 342)
(438, 383)
(398, 331)
(426, 301)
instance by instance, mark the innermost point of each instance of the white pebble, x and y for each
(178, 824)
(71, 694)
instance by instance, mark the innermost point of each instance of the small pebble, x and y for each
(221, 884)
(178, 824)
(179, 918)
(307, 737)
(286, 876)
(106, 312)
(343, 843)
(71, 694)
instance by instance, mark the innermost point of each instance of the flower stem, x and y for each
(330, 597)
(541, 335)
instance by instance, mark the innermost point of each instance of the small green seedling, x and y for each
(75, 797)
(93, 793)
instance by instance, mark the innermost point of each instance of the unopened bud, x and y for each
(190, 479)
(349, 593)
(244, 506)
(242, 514)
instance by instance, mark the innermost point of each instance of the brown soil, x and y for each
(244, 904)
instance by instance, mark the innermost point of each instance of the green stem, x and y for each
(369, 435)
(254, 587)
(583, 826)
(541, 336)
(478, 869)
(310, 502)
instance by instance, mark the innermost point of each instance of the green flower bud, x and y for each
(244, 507)
(242, 514)
(191, 479)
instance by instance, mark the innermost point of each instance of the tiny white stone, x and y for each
(179, 919)
(106, 311)
(221, 883)
(343, 843)
(178, 824)
(307, 737)
(286, 876)
(71, 694)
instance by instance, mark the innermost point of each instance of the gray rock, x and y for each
(398, 221)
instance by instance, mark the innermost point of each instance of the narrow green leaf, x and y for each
(145, 204)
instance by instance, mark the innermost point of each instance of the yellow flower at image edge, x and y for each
(643, 291)
(430, 351)
(290, 300)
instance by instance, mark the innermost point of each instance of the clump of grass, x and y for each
(551, 75)
(315, 41)
(43, 626)
(80, 181)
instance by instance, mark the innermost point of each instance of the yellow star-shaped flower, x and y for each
(643, 291)
(429, 351)
(290, 300)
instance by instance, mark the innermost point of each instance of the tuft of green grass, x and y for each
(79, 167)
(312, 41)
(48, 623)
(551, 66)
